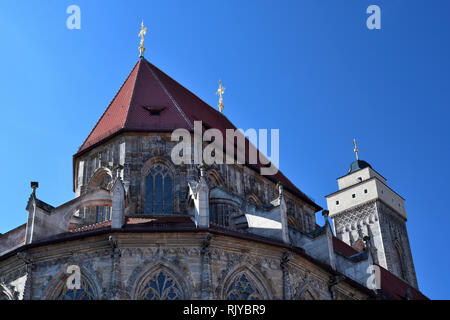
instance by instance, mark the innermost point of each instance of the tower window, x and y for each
(365, 190)
(353, 195)
(359, 179)
(337, 202)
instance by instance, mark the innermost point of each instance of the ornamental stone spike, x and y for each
(34, 185)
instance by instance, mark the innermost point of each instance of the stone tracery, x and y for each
(242, 288)
(160, 285)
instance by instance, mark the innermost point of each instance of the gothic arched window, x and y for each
(242, 288)
(219, 213)
(103, 213)
(158, 190)
(161, 286)
(85, 292)
(398, 263)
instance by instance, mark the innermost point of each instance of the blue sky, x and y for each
(309, 68)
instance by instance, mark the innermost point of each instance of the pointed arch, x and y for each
(99, 211)
(244, 283)
(162, 280)
(399, 261)
(160, 285)
(253, 198)
(150, 163)
(102, 178)
(157, 186)
(222, 207)
(214, 178)
(57, 288)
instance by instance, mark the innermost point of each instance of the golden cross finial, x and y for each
(220, 93)
(355, 149)
(141, 35)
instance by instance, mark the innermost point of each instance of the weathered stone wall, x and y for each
(137, 153)
(202, 265)
(396, 244)
(12, 239)
(388, 236)
(363, 220)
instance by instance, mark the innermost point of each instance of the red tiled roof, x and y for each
(131, 221)
(158, 220)
(391, 286)
(148, 87)
(104, 224)
(396, 288)
(343, 248)
(127, 110)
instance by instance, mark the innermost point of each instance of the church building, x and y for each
(142, 227)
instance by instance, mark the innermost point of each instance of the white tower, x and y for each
(365, 205)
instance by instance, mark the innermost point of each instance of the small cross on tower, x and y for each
(355, 149)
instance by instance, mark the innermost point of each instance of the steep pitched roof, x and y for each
(128, 111)
(147, 89)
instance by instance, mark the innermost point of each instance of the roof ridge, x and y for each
(132, 93)
(109, 105)
(166, 91)
(292, 188)
(151, 85)
(189, 92)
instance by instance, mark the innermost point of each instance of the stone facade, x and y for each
(131, 157)
(141, 227)
(206, 260)
(360, 208)
(124, 269)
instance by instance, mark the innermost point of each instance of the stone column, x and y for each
(202, 201)
(329, 233)
(29, 267)
(286, 281)
(118, 204)
(205, 275)
(283, 214)
(332, 282)
(31, 208)
(115, 286)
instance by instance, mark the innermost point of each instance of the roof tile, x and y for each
(147, 87)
